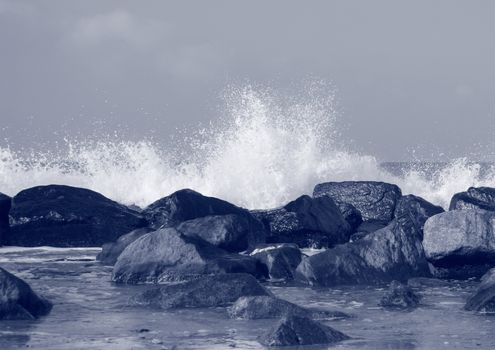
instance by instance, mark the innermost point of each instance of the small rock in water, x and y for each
(295, 330)
(400, 296)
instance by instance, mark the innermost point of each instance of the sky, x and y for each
(413, 78)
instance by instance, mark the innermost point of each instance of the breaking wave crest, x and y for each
(266, 150)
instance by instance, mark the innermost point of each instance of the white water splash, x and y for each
(266, 151)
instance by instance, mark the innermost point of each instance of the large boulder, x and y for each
(5, 204)
(168, 255)
(400, 296)
(374, 200)
(186, 205)
(280, 259)
(483, 300)
(266, 306)
(474, 198)
(111, 251)
(64, 216)
(18, 301)
(293, 330)
(205, 291)
(393, 252)
(462, 240)
(306, 221)
(366, 228)
(231, 232)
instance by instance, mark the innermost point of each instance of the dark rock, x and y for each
(205, 291)
(295, 330)
(231, 232)
(186, 205)
(483, 300)
(263, 307)
(374, 200)
(111, 251)
(64, 216)
(393, 252)
(5, 204)
(366, 228)
(350, 214)
(421, 282)
(462, 240)
(167, 255)
(400, 296)
(474, 198)
(280, 259)
(417, 210)
(306, 221)
(18, 301)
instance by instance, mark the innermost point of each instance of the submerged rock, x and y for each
(231, 232)
(391, 253)
(111, 251)
(474, 198)
(64, 216)
(18, 301)
(205, 291)
(5, 204)
(462, 240)
(400, 296)
(293, 330)
(263, 307)
(374, 200)
(483, 300)
(281, 259)
(167, 255)
(186, 205)
(306, 221)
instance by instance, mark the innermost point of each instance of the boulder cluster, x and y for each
(216, 253)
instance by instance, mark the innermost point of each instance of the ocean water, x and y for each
(264, 151)
(92, 313)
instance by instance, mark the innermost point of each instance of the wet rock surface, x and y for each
(18, 301)
(474, 198)
(5, 204)
(483, 299)
(295, 330)
(64, 216)
(281, 259)
(111, 251)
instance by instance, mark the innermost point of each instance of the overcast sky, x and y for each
(410, 75)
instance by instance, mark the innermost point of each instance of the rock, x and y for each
(374, 200)
(280, 259)
(427, 282)
(462, 240)
(205, 291)
(18, 301)
(167, 255)
(366, 228)
(231, 232)
(417, 210)
(186, 205)
(350, 214)
(306, 221)
(111, 251)
(483, 300)
(264, 307)
(5, 204)
(64, 216)
(400, 296)
(474, 198)
(393, 252)
(295, 330)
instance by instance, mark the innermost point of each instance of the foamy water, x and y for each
(266, 150)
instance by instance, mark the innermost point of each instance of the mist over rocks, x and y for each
(64, 216)
(306, 221)
(374, 200)
(205, 291)
(18, 301)
(184, 205)
(462, 241)
(167, 255)
(5, 204)
(474, 198)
